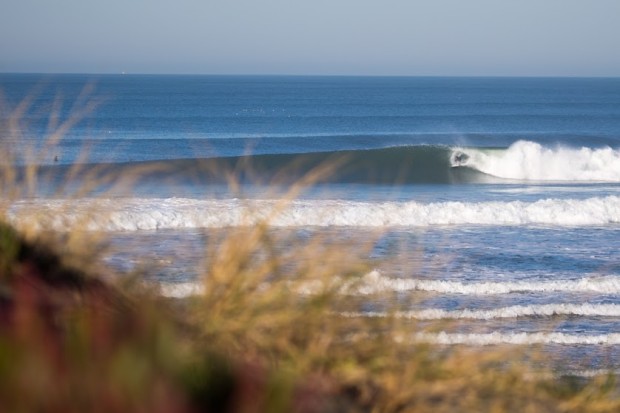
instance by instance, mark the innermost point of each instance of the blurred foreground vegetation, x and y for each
(267, 333)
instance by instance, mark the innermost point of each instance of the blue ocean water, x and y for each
(498, 199)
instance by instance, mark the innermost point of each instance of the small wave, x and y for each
(518, 311)
(175, 213)
(374, 282)
(497, 338)
(530, 161)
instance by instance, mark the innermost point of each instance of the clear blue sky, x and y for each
(360, 37)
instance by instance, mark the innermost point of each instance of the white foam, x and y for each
(545, 310)
(587, 373)
(525, 160)
(497, 338)
(181, 290)
(133, 214)
(374, 282)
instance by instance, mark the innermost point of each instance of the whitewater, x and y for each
(152, 214)
(531, 161)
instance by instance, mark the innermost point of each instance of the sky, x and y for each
(313, 37)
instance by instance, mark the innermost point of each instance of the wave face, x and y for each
(176, 213)
(530, 161)
(418, 164)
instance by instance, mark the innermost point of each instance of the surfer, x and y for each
(459, 159)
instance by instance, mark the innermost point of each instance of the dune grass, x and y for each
(266, 334)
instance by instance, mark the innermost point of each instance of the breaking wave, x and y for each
(374, 282)
(530, 161)
(131, 214)
(407, 164)
(517, 311)
(496, 338)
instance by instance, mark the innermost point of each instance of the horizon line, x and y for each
(124, 73)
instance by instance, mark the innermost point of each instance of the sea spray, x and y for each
(531, 161)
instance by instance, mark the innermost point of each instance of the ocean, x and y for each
(496, 201)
